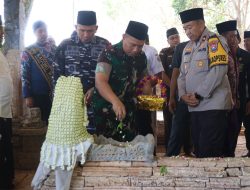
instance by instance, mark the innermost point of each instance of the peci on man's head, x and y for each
(228, 29)
(86, 25)
(193, 23)
(134, 38)
(247, 40)
(173, 37)
(40, 31)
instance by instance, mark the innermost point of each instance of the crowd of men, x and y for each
(208, 80)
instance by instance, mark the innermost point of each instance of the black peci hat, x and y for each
(172, 31)
(246, 34)
(137, 29)
(227, 26)
(191, 14)
(87, 18)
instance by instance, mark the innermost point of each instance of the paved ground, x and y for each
(24, 177)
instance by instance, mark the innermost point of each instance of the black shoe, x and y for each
(78, 163)
(7, 187)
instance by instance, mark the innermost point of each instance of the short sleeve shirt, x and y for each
(126, 71)
(177, 57)
(154, 64)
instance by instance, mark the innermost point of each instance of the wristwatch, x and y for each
(198, 96)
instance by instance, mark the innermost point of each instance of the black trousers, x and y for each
(91, 125)
(6, 154)
(208, 132)
(232, 133)
(44, 103)
(167, 115)
(180, 135)
(143, 122)
(246, 122)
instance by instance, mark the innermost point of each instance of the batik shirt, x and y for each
(243, 58)
(233, 76)
(126, 71)
(33, 80)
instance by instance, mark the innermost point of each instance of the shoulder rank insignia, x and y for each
(216, 52)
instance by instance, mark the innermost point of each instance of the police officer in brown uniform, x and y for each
(166, 55)
(203, 84)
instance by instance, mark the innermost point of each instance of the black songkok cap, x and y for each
(137, 30)
(87, 18)
(230, 25)
(246, 34)
(191, 14)
(172, 31)
(38, 24)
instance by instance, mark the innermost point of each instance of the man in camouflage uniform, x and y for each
(203, 84)
(118, 72)
(77, 56)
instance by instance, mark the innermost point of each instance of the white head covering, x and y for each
(6, 88)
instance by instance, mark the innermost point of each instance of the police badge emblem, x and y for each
(200, 63)
(213, 45)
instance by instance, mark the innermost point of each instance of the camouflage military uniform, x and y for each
(124, 76)
(74, 58)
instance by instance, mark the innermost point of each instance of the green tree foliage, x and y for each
(214, 10)
(116, 9)
(218, 11)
